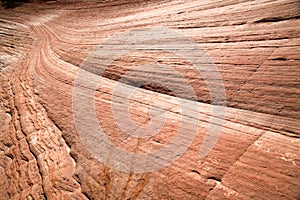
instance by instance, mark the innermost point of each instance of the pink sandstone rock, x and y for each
(255, 47)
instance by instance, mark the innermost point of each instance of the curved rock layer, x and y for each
(255, 46)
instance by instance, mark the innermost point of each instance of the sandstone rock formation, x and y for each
(255, 46)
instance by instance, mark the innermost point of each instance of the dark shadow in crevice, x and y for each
(10, 4)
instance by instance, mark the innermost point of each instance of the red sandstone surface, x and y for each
(254, 44)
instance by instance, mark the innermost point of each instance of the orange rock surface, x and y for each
(255, 47)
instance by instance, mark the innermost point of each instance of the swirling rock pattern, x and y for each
(255, 45)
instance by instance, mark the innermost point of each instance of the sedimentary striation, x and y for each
(255, 47)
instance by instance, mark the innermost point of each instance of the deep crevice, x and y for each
(276, 19)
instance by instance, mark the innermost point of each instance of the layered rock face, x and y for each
(66, 70)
